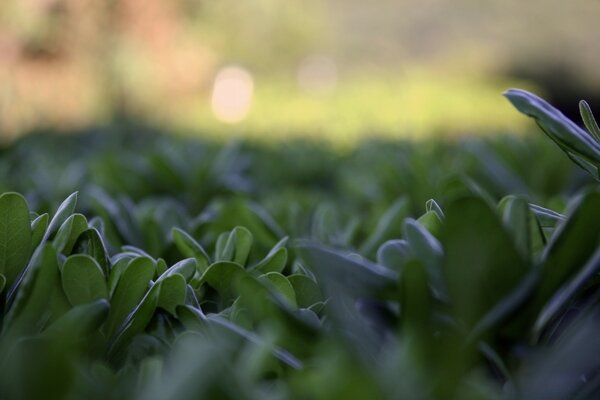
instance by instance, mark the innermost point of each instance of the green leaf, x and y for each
(516, 219)
(38, 229)
(428, 250)
(137, 320)
(161, 267)
(224, 247)
(243, 244)
(186, 268)
(580, 146)
(83, 280)
(15, 236)
(481, 264)
(90, 242)
(546, 217)
(273, 262)
(172, 293)
(589, 120)
(393, 254)
(339, 270)
(431, 221)
(307, 291)
(223, 276)
(30, 310)
(387, 225)
(80, 321)
(567, 292)
(192, 318)
(276, 259)
(62, 213)
(67, 234)
(571, 246)
(416, 303)
(190, 248)
(281, 285)
(130, 289)
(116, 271)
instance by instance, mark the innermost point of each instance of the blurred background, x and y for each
(275, 69)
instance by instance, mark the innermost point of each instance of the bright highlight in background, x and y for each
(232, 94)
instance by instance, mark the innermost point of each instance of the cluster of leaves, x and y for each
(180, 294)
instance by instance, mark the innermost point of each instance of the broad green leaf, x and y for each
(273, 262)
(481, 264)
(38, 229)
(80, 321)
(69, 231)
(62, 213)
(90, 242)
(130, 289)
(190, 248)
(307, 291)
(281, 285)
(15, 236)
(83, 280)
(223, 277)
(172, 292)
(2, 283)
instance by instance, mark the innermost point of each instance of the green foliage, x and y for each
(400, 280)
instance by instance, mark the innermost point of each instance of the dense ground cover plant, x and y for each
(185, 270)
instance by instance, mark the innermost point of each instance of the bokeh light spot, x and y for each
(232, 94)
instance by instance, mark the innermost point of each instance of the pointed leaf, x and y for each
(190, 248)
(62, 213)
(69, 231)
(131, 288)
(38, 229)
